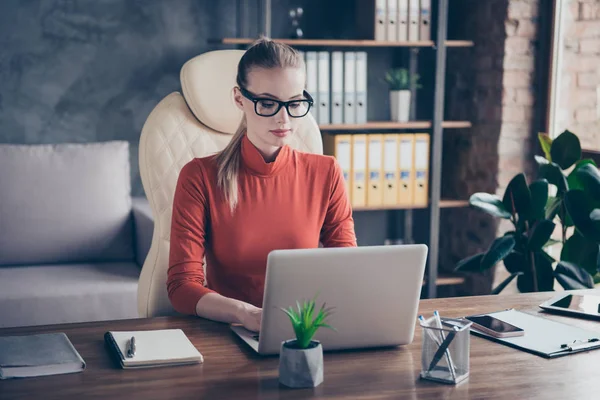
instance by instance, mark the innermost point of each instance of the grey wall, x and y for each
(92, 70)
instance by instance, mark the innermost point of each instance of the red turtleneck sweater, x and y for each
(294, 202)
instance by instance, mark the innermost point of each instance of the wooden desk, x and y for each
(231, 371)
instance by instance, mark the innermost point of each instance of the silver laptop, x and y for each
(374, 290)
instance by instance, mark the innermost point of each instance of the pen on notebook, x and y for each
(131, 347)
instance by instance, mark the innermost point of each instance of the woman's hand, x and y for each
(250, 317)
(224, 309)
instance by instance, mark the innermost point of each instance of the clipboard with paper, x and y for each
(543, 336)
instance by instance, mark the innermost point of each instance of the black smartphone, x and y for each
(494, 327)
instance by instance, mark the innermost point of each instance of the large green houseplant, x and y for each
(534, 213)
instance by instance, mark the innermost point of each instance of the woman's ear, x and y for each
(237, 97)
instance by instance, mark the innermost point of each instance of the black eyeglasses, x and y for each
(266, 107)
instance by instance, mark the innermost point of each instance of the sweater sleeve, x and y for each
(338, 227)
(185, 275)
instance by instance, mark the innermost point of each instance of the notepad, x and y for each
(543, 336)
(154, 348)
(38, 355)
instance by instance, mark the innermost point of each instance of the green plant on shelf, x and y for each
(535, 213)
(401, 79)
(306, 323)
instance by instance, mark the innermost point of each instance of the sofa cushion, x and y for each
(65, 203)
(52, 294)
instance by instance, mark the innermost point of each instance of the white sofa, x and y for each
(72, 239)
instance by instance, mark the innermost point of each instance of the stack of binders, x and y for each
(395, 20)
(383, 170)
(338, 83)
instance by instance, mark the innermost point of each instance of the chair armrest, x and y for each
(143, 228)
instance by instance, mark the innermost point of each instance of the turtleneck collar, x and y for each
(255, 162)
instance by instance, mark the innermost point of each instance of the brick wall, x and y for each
(578, 107)
(471, 156)
(493, 86)
(518, 141)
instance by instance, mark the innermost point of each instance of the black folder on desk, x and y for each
(543, 336)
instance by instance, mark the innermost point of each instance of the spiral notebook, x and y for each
(543, 336)
(154, 348)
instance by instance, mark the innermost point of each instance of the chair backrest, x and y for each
(181, 127)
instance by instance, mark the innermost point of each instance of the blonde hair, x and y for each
(263, 53)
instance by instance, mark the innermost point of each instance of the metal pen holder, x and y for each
(445, 351)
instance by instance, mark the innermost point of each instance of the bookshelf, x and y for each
(443, 204)
(435, 126)
(394, 125)
(350, 43)
(447, 280)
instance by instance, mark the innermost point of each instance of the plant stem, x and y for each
(563, 211)
(533, 272)
(532, 262)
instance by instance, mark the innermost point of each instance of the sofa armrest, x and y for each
(144, 228)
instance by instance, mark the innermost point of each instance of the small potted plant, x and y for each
(301, 359)
(399, 81)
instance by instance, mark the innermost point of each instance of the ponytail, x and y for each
(228, 161)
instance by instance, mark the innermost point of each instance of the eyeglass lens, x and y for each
(268, 108)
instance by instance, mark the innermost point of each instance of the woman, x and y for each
(256, 195)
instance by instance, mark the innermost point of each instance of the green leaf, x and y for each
(552, 173)
(565, 218)
(541, 160)
(582, 252)
(499, 249)
(305, 322)
(544, 271)
(566, 149)
(539, 198)
(515, 262)
(470, 264)
(517, 198)
(595, 217)
(589, 177)
(505, 283)
(573, 179)
(489, 203)
(400, 79)
(580, 209)
(546, 144)
(551, 242)
(544, 274)
(571, 276)
(552, 207)
(540, 234)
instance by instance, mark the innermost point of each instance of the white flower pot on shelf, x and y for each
(301, 368)
(400, 105)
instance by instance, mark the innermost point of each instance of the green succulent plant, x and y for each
(400, 79)
(306, 323)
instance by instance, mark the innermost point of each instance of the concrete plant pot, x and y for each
(301, 368)
(400, 105)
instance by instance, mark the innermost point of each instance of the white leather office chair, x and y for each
(181, 127)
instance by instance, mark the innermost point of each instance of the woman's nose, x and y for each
(282, 116)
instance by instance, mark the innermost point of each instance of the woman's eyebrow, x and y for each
(277, 98)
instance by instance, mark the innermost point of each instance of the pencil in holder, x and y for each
(445, 351)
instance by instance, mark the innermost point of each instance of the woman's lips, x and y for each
(280, 132)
